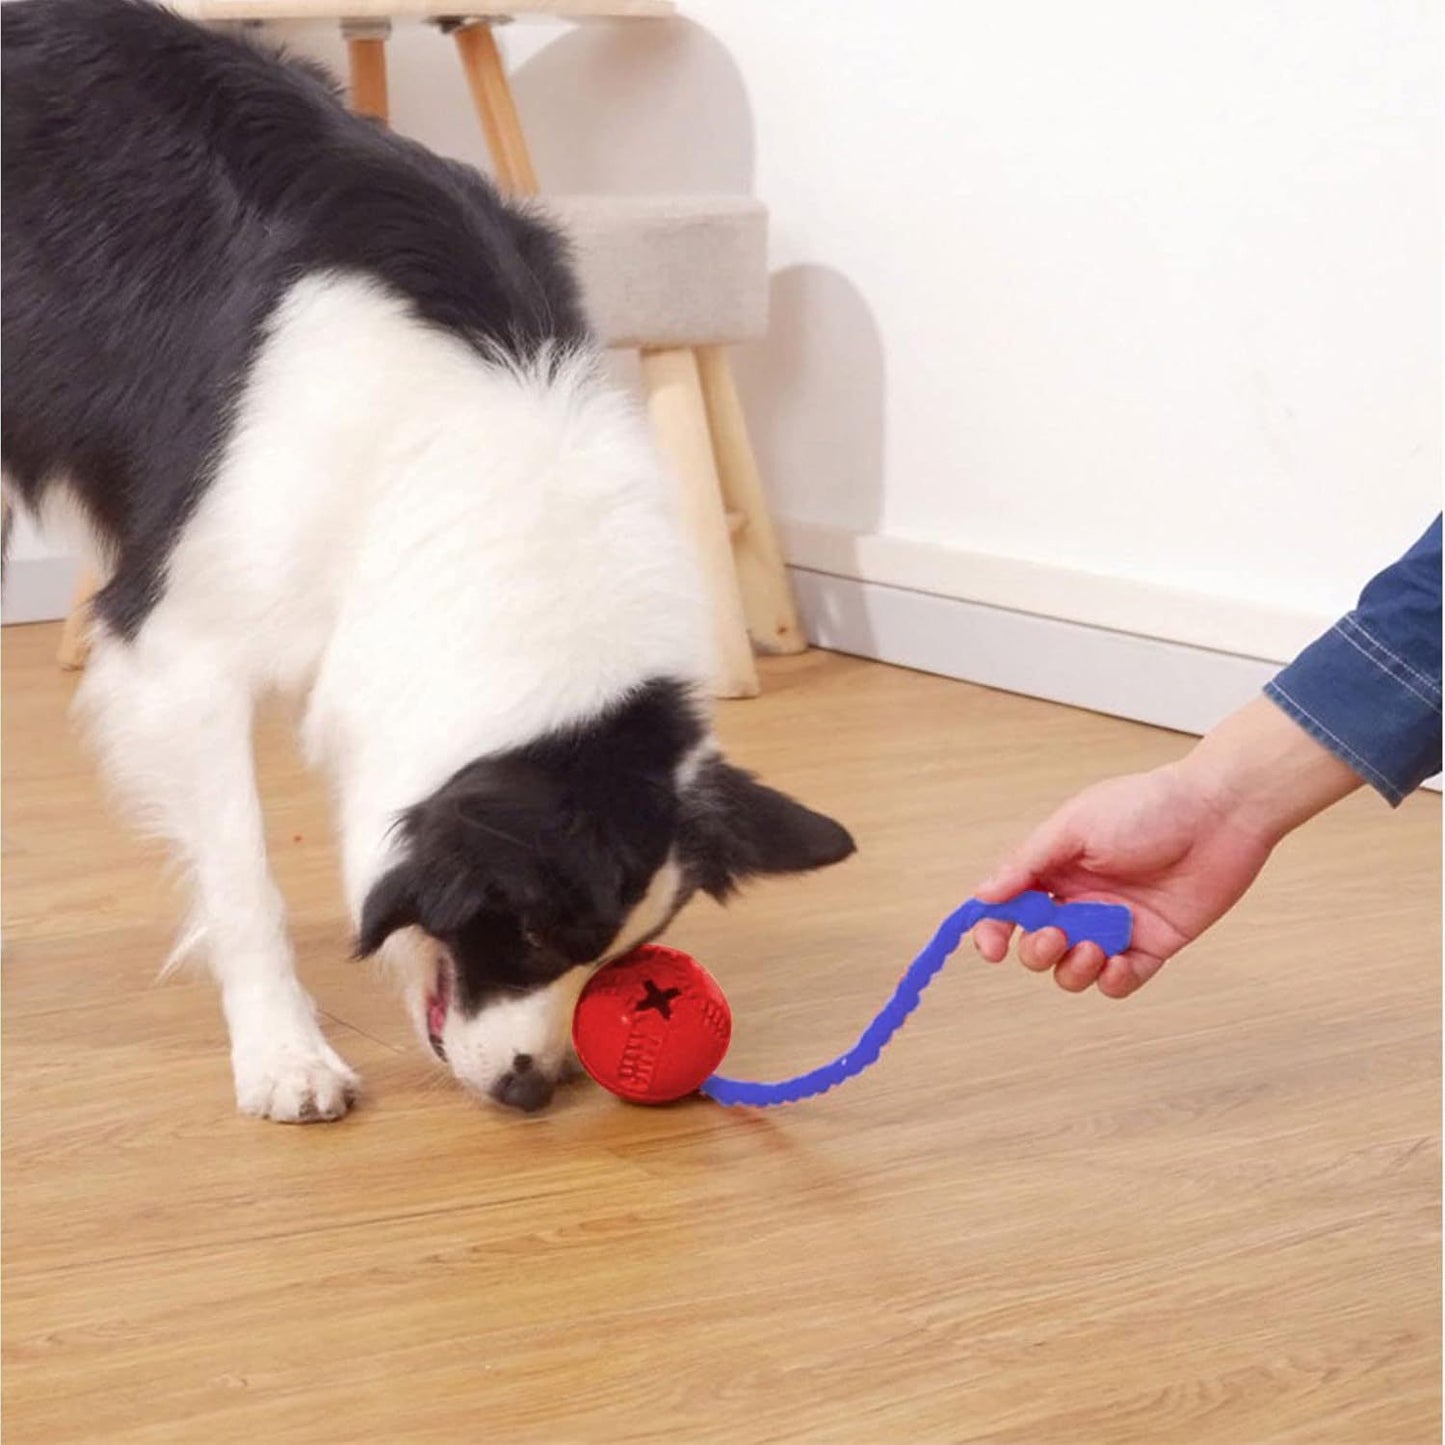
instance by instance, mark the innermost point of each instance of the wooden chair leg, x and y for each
(75, 635)
(679, 420)
(772, 615)
(366, 60)
(496, 107)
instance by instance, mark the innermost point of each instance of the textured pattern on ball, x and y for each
(652, 1026)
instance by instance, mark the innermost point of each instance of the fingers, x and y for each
(991, 938)
(1037, 951)
(1042, 950)
(1080, 969)
(1074, 969)
(1127, 973)
(1026, 868)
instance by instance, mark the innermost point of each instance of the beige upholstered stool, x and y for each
(679, 278)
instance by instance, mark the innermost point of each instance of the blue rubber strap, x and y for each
(1110, 925)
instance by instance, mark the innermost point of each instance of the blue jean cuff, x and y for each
(1367, 706)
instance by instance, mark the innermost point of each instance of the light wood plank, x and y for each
(1209, 1214)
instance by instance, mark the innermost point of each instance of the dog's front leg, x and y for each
(173, 726)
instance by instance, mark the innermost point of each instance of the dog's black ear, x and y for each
(501, 842)
(734, 827)
(391, 904)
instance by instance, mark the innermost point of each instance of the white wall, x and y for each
(1147, 293)
(1146, 297)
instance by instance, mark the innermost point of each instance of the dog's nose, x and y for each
(524, 1087)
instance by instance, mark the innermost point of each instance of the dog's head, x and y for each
(527, 869)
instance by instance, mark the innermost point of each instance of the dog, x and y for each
(330, 414)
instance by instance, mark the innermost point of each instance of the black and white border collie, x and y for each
(330, 414)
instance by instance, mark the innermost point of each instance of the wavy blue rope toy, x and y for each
(643, 1024)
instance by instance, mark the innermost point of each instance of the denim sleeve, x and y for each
(1369, 689)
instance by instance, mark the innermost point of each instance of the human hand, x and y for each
(1152, 841)
(1179, 845)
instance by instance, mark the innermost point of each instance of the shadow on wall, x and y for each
(636, 109)
(814, 390)
(660, 106)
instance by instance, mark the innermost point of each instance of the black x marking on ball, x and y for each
(657, 998)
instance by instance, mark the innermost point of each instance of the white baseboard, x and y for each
(1216, 621)
(1167, 684)
(38, 589)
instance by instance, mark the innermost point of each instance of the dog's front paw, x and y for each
(294, 1085)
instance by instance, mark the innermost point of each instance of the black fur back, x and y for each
(163, 187)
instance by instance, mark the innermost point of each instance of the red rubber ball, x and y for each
(652, 1026)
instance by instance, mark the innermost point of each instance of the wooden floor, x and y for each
(1207, 1214)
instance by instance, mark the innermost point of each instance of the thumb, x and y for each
(1046, 849)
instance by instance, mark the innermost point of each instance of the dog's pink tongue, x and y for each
(436, 1016)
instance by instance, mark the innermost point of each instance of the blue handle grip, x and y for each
(1110, 925)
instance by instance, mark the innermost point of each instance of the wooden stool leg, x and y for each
(496, 108)
(679, 421)
(768, 602)
(75, 635)
(366, 60)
